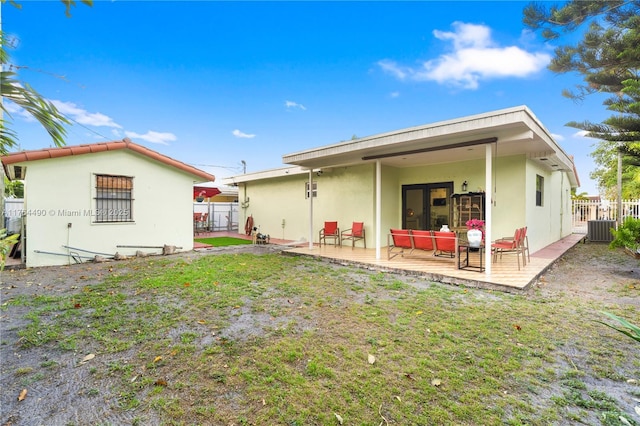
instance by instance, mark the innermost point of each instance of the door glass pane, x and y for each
(414, 203)
(439, 208)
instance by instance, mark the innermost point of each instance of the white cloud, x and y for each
(580, 134)
(238, 134)
(161, 138)
(16, 110)
(291, 104)
(474, 57)
(394, 94)
(394, 69)
(84, 117)
(557, 137)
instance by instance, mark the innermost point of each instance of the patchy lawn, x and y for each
(223, 241)
(257, 339)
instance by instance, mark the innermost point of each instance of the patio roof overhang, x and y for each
(515, 131)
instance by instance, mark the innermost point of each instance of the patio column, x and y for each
(488, 207)
(378, 207)
(310, 209)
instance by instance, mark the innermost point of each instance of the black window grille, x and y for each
(114, 200)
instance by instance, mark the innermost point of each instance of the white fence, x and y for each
(13, 208)
(585, 210)
(221, 217)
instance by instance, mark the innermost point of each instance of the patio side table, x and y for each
(464, 261)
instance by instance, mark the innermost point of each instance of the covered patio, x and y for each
(504, 163)
(504, 276)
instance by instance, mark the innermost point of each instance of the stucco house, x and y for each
(102, 198)
(501, 166)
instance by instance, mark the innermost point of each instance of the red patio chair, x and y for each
(398, 240)
(197, 218)
(525, 244)
(445, 243)
(510, 245)
(330, 231)
(422, 240)
(355, 233)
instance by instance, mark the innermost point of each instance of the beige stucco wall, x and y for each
(347, 194)
(509, 199)
(551, 221)
(509, 210)
(61, 191)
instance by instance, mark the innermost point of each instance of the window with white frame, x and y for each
(315, 189)
(114, 199)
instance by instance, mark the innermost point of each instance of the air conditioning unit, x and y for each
(600, 230)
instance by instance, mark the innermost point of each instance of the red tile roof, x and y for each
(42, 154)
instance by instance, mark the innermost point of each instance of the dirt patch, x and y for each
(593, 271)
(66, 392)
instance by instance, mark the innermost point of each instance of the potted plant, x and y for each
(475, 232)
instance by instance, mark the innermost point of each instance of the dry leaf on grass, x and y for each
(87, 358)
(436, 382)
(624, 421)
(371, 359)
(339, 417)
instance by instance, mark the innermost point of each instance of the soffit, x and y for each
(516, 131)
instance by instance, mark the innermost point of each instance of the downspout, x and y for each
(310, 209)
(488, 208)
(562, 206)
(378, 208)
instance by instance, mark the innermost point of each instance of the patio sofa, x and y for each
(439, 244)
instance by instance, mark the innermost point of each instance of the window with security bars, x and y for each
(114, 200)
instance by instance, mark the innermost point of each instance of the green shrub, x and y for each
(6, 242)
(627, 235)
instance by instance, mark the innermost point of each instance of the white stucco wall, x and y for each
(59, 199)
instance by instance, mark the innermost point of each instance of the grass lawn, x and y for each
(275, 340)
(223, 241)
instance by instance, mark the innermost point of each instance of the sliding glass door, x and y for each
(426, 205)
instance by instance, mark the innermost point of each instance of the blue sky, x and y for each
(217, 83)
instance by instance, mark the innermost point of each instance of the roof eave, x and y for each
(44, 154)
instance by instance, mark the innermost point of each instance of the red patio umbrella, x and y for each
(205, 192)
